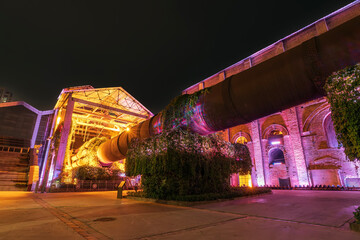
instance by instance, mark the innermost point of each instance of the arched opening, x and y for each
(277, 168)
(330, 132)
(276, 157)
(241, 140)
(276, 137)
(238, 179)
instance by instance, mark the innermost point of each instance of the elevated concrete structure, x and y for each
(308, 147)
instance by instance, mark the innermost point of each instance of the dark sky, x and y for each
(153, 49)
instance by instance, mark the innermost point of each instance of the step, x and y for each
(12, 188)
(13, 176)
(12, 182)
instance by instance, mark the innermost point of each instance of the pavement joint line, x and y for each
(248, 215)
(347, 221)
(79, 227)
(255, 216)
(188, 229)
(193, 207)
(284, 220)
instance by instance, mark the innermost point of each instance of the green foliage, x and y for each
(179, 162)
(357, 215)
(343, 92)
(181, 109)
(87, 172)
(230, 194)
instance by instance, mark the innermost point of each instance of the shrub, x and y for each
(343, 92)
(230, 194)
(178, 163)
(357, 215)
(87, 172)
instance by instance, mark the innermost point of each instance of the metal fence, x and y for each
(93, 185)
(12, 149)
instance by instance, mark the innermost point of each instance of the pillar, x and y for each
(293, 126)
(258, 155)
(64, 138)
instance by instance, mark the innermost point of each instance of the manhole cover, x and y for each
(105, 219)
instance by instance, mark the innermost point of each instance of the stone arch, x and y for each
(278, 166)
(241, 134)
(274, 127)
(307, 123)
(276, 155)
(329, 131)
(271, 120)
(270, 148)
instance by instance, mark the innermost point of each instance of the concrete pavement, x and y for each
(99, 215)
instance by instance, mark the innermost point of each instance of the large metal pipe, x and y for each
(291, 78)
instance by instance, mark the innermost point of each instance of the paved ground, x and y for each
(281, 215)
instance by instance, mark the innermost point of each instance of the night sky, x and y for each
(153, 49)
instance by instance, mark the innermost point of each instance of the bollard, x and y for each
(120, 189)
(119, 193)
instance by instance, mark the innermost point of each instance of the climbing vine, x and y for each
(343, 92)
(179, 162)
(181, 109)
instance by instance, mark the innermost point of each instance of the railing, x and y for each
(12, 149)
(92, 185)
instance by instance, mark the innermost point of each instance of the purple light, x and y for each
(198, 123)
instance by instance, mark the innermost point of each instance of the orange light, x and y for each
(127, 129)
(58, 120)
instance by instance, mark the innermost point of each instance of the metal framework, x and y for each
(102, 110)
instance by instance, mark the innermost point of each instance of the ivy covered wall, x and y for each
(179, 162)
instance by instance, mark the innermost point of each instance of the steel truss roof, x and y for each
(103, 109)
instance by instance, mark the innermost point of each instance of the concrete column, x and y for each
(36, 130)
(46, 165)
(64, 138)
(295, 137)
(265, 157)
(258, 155)
(290, 161)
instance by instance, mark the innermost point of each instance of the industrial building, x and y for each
(296, 146)
(62, 136)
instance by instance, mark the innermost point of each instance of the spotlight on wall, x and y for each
(275, 142)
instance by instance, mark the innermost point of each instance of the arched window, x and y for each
(275, 133)
(330, 132)
(276, 156)
(241, 140)
(276, 137)
(241, 137)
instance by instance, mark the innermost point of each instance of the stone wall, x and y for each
(312, 155)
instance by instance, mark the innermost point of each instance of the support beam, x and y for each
(110, 108)
(80, 111)
(64, 138)
(36, 130)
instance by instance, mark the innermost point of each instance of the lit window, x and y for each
(245, 180)
(241, 140)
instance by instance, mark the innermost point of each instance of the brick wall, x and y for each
(305, 146)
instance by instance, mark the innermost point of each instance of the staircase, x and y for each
(14, 167)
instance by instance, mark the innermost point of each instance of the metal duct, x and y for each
(291, 78)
